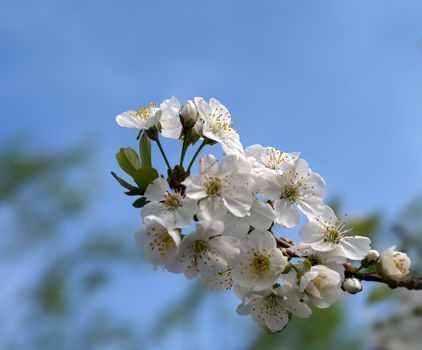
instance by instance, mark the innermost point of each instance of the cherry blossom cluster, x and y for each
(221, 224)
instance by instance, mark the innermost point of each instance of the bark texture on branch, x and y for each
(411, 283)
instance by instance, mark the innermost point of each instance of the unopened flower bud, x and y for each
(371, 258)
(395, 265)
(188, 115)
(352, 285)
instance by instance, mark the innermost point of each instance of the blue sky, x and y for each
(338, 81)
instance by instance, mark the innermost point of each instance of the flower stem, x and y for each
(163, 154)
(196, 154)
(184, 149)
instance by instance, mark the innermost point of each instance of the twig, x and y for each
(410, 283)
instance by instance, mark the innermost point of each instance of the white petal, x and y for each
(356, 248)
(286, 213)
(127, 120)
(194, 187)
(156, 190)
(262, 215)
(239, 202)
(263, 241)
(311, 232)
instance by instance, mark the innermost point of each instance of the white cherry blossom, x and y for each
(326, 233)
(217, 125)
(269, 159)
(296, 186)
(223, 183)
(395, 265)
(205, 251)
(260, 262)
(271, 308)
(172, 207)
(321, 285)
(159, 242)
(144, 118)
(261, 217)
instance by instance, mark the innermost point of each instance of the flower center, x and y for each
(162, 242)
(332, 235)
(314, 259)
(213, 187)
(318, 282)
(173, 201)
(400, 263)
(273, 301)
(290, 192)
(260, 264)
(145, 112)
(272, 158)
(221, 121)
(199, 247)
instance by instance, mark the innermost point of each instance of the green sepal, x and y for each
(145, 151)
(191, 136)
(307, 265)
(176, 176)
(140, 202)
(128, 160)
(123, 183)
(133, 190)
(144, 176)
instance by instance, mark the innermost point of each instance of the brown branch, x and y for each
(411, 283)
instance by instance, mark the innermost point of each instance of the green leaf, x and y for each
(128, 160)
(140, 202)
(144, 176)
(145, 151)
(379, 293)
(123, 183)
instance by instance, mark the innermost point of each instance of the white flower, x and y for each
(143, 119)
(352, 285)
(223, 183)
(205, 251)
(296, 186)
(272, 307)
(321, 285)
(261, 217)
(172, 207)
(260, 262)
(159, 242)
(270, 159)
(395, 265)
(217, 125)
(170, 122)
(326, 233)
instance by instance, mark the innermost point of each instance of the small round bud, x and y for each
(188, 115)
(372, 256)
(352, 285)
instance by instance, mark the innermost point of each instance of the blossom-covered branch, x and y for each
(221, 224)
